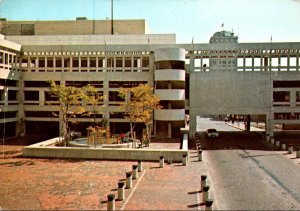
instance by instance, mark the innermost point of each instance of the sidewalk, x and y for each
(173, 187)
(241, 126)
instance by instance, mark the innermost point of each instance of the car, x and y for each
(212, 133)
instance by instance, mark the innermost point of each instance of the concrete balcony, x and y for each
(170, 94)
(165, 54)
(169, 75)
(169, 114)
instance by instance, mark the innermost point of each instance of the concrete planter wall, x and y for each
(45, 150)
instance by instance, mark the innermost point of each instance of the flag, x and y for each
(271, 38)
(222, 25)
(193, 40)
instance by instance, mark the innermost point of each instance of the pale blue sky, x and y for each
(252, 20)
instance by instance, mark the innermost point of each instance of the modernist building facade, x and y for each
(219, 78)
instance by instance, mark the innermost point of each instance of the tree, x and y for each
(94, 98)
(73, 102)
(139, 105)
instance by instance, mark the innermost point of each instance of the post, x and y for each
(272, 140)
(128, 180)
(290, 149)
(111, 202)
(121, 191)
(203, 181)
(184, 159)
(198, 146)
(208, 204)
(298, 153)
(283, 146)
(161, 161)
(277, 143)
(200, 155)
(134, 172)
(205, 193)
(140, 166)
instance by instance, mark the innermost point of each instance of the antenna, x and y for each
(112, 17)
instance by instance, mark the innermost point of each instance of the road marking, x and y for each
(133, 190)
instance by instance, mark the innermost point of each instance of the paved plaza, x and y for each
(48, 184)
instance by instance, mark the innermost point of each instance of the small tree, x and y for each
(93, 98)
(70, 99)
(140, 103)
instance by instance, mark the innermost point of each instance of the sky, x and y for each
(197, 20)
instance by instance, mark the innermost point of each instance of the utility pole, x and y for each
(112, 17)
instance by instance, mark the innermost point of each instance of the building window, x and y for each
(281, 96)
(31, 95)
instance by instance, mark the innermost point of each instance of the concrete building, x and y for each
(219, 78)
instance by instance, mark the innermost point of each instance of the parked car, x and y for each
(212, 133)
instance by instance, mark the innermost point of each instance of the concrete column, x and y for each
(269, 126)
(111, 202)
(169, 130)
(193, 124)
(41, 97)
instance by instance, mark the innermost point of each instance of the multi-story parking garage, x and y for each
(219, 78)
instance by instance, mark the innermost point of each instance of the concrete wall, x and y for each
(229, 92)
(43, 150)
(79, 27)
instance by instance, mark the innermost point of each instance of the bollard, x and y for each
(111, 202)
(170, 161)
(198, 146)
(203, 181)
(184, 159)
(205, 193)
(128, 180)
(283, 146)
(134, 172)
(290, 149)
(140, 166)
(208, 204)
(272, 140)
(277, 143)
(200, 155)
(161, 161)
(121, 191)
(298, 154)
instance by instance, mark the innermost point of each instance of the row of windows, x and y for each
(84, 62)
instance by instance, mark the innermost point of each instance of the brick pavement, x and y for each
(48, 184)
(173, 187)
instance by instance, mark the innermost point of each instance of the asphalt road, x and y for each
(252, 179)
(244, 179)
(204, 123)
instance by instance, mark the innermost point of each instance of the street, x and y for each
(242, 178)
(204, 123)
(251, 179)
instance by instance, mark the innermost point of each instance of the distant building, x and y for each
(219, 78)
